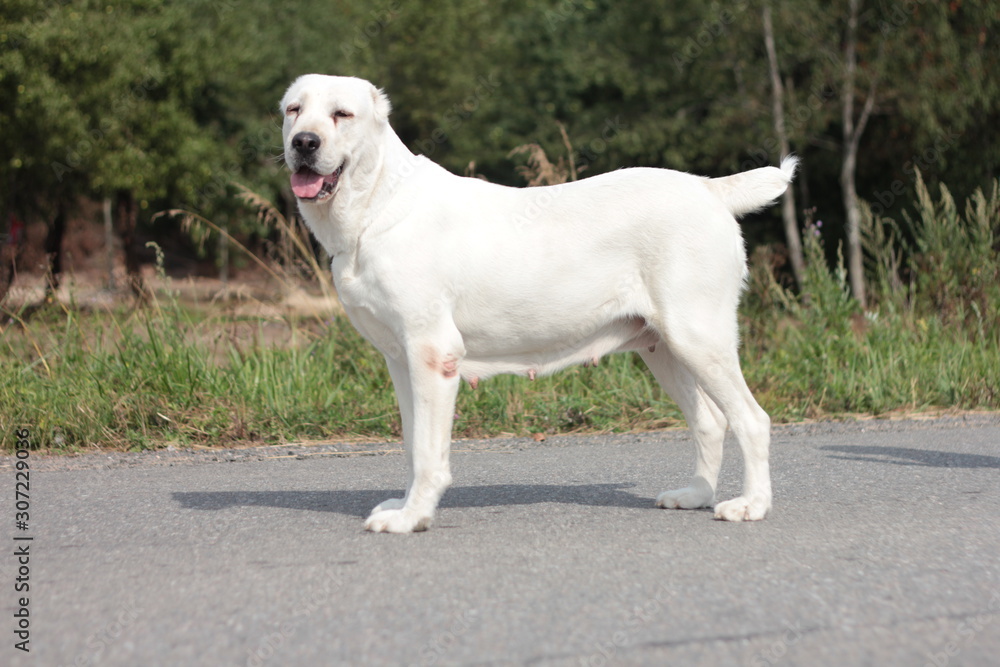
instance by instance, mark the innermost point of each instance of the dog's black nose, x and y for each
(306, 143)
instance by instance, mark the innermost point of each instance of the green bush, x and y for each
(930, 339)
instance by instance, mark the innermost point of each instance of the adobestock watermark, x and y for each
(98, 643)
(883, 200)
(110, 124)
(434, 310)
(881, 546)
(795, 120)
(270, 645)
(894, 17)
(250, 149)
(708, 31)
(556, 16)
(965, 632)
(378, 20)
(441, 643)
(223, 7)
(587, 344)
(541, 199)
(774, 652)
(606, 650)
(459, 113)
(18, 35)
(597, 146)
(540, 202)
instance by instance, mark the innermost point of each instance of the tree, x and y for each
(42, 124)
(852, 132)
(926, 68)
(102, 102)
(160, 105)
(788, 215)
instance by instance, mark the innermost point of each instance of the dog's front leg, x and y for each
(426, 385)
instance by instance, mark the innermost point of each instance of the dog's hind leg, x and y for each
(704, 340)
(705, 420)
(426, 384)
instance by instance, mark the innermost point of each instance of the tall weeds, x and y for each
(931, 336)
(292, 259)
(938, 263)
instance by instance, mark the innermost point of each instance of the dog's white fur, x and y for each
(453, 278)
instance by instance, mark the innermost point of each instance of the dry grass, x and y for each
(540, 170)
(291, 261)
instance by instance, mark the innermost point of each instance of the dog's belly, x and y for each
(534, 356)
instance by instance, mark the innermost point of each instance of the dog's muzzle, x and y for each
(307, 183)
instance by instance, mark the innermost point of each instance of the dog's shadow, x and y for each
(360, 502)
(907, 456)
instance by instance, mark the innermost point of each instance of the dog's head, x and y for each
(330, 124)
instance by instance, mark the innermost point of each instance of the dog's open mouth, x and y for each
(310, 186)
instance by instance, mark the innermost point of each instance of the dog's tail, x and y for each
(755, 189)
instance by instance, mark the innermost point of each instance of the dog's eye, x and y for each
(292, 110)
(340, 113)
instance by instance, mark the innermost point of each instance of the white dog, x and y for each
(453, 278)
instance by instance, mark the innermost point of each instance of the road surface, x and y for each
(883, 548)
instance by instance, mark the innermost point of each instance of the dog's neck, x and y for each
(366, 189)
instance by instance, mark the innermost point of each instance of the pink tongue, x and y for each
(306, 183)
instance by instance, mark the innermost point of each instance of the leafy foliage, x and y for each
(175, 101)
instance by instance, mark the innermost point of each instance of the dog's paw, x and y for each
(689, 498)
(396, 520)
(743, 509)
(698, 494)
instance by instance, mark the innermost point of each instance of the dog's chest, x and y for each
(374, 330)
(365, 305)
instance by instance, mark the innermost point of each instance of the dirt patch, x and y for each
(251, 295)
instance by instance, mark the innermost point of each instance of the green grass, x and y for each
(158, 376)
(172, 374)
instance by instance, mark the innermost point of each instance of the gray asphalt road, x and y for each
(883, 549)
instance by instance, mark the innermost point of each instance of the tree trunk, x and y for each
(224, 256)
(53, 250)
(109, 243)
(127, 218)
(855, 260)
(792, 237)
(10, 248)
(848, 169)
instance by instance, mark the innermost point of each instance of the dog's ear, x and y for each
(383, 107)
